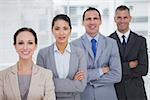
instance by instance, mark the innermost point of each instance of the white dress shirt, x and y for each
(125, 34)
(62, 61)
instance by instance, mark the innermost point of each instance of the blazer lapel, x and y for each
(115, 36)
(32, 82)
(100, 47)
(87, 44)
(52, 59)
(130, 44)
(71, 66)
(14, 82)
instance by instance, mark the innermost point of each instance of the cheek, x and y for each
(17, 49)
(68, 34)
(34, 49)
(55, 35)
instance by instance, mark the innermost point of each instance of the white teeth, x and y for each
(92, 27)
(25, 53)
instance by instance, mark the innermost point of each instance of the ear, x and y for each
(100, 21)
(35, 46)
(130, 18)
(15, 47)
(70, 31)
(83, 23)
(114, 19)
(51, 30)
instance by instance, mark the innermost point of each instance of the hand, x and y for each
(80, 75)
(133, 64)
(105, 69)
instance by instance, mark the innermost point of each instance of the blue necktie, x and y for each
(93, 41)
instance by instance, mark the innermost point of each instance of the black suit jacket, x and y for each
(132, 85)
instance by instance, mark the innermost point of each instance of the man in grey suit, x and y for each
(134, 57)
(102, 55)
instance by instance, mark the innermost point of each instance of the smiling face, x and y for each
(92, 22)
(122, 19)
(61, 31)
(25, 45)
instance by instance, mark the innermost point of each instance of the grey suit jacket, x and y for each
(41, 85)
(66, 89)
(101, 87)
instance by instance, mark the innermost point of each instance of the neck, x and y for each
(61, 47)
(92, 34)
(25, 66)
(123, 31)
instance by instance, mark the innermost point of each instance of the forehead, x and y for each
(122, 13)
(61, 22)
(25, 35)
(91, 13)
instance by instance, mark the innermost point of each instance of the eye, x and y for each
(118, 17)
(96, 18)
(87, 19)
(30, 42)
(65, 28)
(20, 43)
(56, 28)
(125, 17)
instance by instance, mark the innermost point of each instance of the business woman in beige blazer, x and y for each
(25, 80)
(41, 85)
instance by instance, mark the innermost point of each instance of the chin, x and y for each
(26, 57)
(62, 42)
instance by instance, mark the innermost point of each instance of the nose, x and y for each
(25, 46)
(92, 21)
(61, 32)
(122, 19)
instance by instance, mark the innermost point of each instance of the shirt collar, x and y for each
(90, 38)
(68, 49)
(121, 34)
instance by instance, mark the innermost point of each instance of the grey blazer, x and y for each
(101, 88)
(41, 85)
(66, 89)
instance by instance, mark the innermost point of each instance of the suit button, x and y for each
(125, 82)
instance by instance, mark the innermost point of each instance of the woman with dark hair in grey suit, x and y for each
(67, 62)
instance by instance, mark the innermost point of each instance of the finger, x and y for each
(80, 76)
(80, 73)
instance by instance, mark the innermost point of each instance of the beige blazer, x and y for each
(41, 85)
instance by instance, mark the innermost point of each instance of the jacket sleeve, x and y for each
(49, 87)
(115, 73)
(40, 59)
(142, 67)
(142, 57)
(1, 87)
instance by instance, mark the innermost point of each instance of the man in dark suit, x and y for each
(134, 57)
